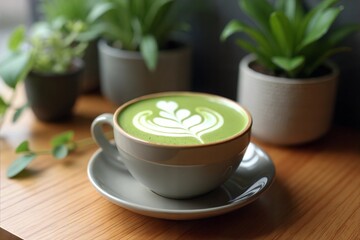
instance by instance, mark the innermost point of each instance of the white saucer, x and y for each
(112, 180)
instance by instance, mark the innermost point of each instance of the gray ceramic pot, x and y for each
(53, 96)
(287, 111)
(125, 76)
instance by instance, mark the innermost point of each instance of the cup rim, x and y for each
(243, 132)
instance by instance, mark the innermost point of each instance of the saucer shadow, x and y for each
(273, 210)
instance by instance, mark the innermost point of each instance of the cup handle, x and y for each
(99, 136)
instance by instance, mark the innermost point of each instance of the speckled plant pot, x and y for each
(52, 96)
(124, 75)
(287, 111)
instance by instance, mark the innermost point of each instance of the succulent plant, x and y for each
(288, 39)
(141, 25)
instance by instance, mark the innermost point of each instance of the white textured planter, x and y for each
(125, 76)
(287, 111)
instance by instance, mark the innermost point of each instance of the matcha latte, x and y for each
(183, 119)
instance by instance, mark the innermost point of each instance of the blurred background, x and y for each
(215, 63)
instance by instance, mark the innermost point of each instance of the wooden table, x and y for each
(316, 194)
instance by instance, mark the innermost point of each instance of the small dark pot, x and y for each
(53, 96)
(90, 77)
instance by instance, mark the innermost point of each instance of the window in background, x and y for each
(12, 13)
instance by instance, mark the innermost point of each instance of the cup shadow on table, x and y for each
(274, 209)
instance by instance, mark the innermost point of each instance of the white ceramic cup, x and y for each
(174, 171)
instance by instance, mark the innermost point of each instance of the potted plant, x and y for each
(51, 64)
(288, 83)
(87, 12)
(137, 54)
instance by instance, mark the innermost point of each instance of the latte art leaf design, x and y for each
(174, 122)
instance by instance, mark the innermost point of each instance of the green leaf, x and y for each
(246, 45)
(3, 106)
(281, 29)
(311, 67)
(259, 10)
(236, 26)
(58, 23)
(336, 36)
(137, 30)
(60, 151)
(18, 112)
(99, 10)
(260, 57)
(319, 26)
(19, 165)
(294, 10)
(287, 6)
(155, 13)
(149, 50)
(23, 147)
(307, 20)
(92, 33)
(16, 38)
(138, 7)
(230, 28)
(62, 138)
(14, 67)
(325, 4)
(280, 5)
(288, 64)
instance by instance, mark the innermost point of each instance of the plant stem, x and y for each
(42, 152)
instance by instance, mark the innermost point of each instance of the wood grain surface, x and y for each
(316, 193)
